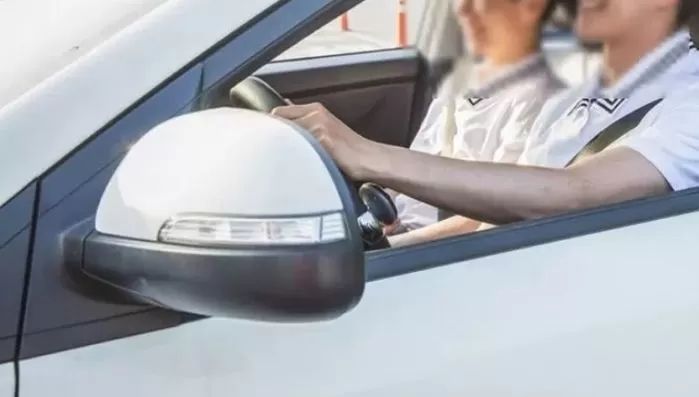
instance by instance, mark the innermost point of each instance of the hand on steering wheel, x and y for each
(373, 206)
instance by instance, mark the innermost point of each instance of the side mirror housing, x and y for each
(226, 212)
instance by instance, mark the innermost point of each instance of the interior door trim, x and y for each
(340, 72)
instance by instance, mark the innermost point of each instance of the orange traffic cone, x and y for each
(402, 31)
(344, 22)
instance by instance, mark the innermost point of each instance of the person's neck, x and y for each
(516, 55)
(621, 54)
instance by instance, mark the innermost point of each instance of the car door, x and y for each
(61, 316)
(15, 235)
(597, 303)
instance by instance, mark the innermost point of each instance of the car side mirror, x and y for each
(225, 212)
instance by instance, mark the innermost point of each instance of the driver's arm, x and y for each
(662, 154)
(503, 193)
(521, 128)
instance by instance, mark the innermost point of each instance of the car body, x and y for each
(602, 302)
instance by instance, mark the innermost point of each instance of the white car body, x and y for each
(64, 123)
(523, 323)
(609, 313)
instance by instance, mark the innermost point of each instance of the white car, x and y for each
(155, 241)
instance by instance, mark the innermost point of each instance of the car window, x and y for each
(381, 25)
(372, 25)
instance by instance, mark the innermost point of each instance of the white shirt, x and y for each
(572, 119)
(668, 137)
(492, 122)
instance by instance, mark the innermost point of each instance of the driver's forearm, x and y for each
(454, 226)
(490, 192)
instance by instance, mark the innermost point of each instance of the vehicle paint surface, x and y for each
(609, 314)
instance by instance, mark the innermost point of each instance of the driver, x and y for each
(504, 92)
(660, 155)
(638, 63)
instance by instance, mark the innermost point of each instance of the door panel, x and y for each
(371, 92)
(7, 380)
(15, 228)
(614, 313)
(380, 113)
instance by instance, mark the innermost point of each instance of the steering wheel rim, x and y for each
(255, 94)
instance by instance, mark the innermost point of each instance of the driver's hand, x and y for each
(344, 145)
(391, 229)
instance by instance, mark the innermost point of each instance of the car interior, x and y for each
(384, 94)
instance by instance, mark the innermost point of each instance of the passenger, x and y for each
(503, 93)
(659, 155)
(637, 67)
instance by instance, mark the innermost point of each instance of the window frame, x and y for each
(416, 43)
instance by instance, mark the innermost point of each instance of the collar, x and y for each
(650, 66)
(499, 78)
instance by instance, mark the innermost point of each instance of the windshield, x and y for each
(39, 37)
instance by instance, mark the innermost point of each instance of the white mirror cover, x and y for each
(222, 162)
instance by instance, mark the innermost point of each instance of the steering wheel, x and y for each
(255, 94)
(373, 206)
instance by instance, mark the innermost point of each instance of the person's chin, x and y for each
(589, 34)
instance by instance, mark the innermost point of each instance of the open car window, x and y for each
(370, 26)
